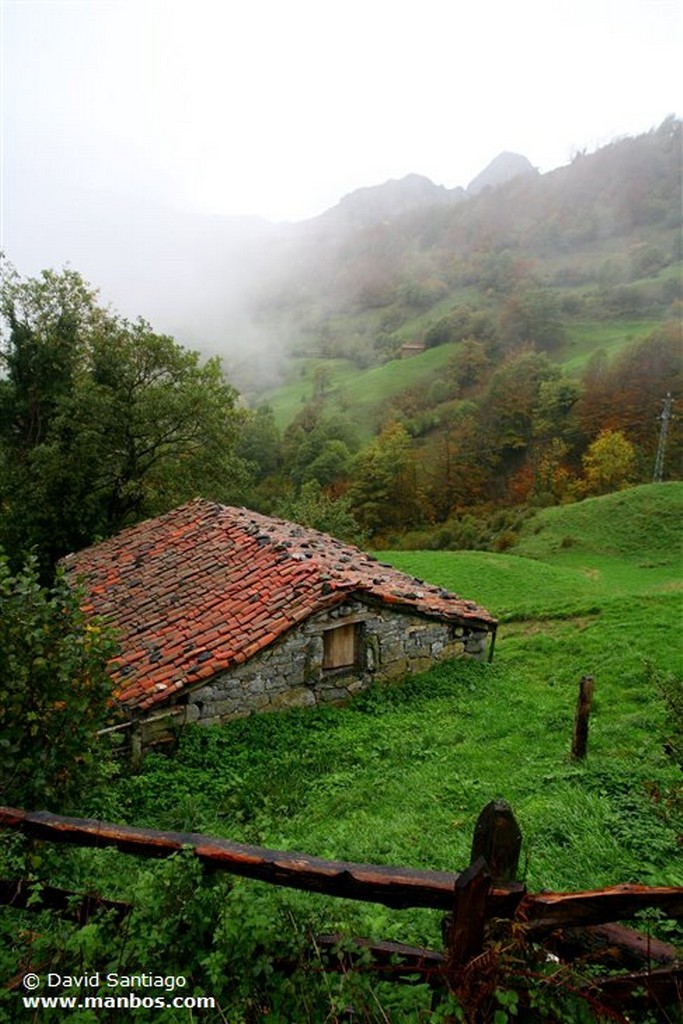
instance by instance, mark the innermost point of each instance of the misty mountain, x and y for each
(390, 199)
(502, 169)
(577, 240)
(368, 274)
(195, 276)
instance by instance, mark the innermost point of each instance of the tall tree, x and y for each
(102, 421)
(384, 489)
(609, 463)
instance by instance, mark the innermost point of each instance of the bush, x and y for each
(55, 691)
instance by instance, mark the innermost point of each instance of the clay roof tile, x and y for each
(207, 585)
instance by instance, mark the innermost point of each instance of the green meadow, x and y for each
(363, 392)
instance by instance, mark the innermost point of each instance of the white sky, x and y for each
(280, 107)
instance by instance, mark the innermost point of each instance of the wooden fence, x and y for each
(570, 926)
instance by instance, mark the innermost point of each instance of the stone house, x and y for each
(415, 348)
(221, 612)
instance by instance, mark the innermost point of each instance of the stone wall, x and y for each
(290, 673)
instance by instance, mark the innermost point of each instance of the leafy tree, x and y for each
(456, 469)
(322, 380)
(609, 463)
(531, 317)
(556, 400)
(259, 442)
(49, 320)
(331, 465)
(318, 447)
(462, 322)
(469, 365)
(102, 421)
(384, 488)
(552, 480)
(509, 406)
(55, 691)
(501, 271)
(315, 508)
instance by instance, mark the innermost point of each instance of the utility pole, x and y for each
(664, 416)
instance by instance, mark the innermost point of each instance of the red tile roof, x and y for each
(207, 586)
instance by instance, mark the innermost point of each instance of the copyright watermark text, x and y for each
(113, 991)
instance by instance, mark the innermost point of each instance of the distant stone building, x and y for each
(411, 349)
(221, 612)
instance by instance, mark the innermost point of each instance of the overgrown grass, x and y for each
(401, 774)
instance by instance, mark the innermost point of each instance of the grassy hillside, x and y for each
(639, 524)
(359, 393)
(571, 557)
(584, 338)
(589, 256)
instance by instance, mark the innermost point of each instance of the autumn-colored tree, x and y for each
(468, 366)
(609, 463)
(455, 467)
(531, 318)
(626, 394)
(508, 407)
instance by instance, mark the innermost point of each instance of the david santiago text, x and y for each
(169, 982)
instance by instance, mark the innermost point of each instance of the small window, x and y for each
(340, 647)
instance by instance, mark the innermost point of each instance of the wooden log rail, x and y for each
(397, 887)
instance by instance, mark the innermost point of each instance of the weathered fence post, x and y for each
(583, 710)
(496, 846)
(466, 934)
(497, 838)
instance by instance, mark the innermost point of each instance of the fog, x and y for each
(164, 149)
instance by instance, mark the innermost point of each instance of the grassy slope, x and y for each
(586, 337)
(569, 558)
(361, 393)
(400, 776)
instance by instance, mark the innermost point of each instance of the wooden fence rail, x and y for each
(397, 887)
(486, 891)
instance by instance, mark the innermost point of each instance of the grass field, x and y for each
(608, 336)
(360, 392)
